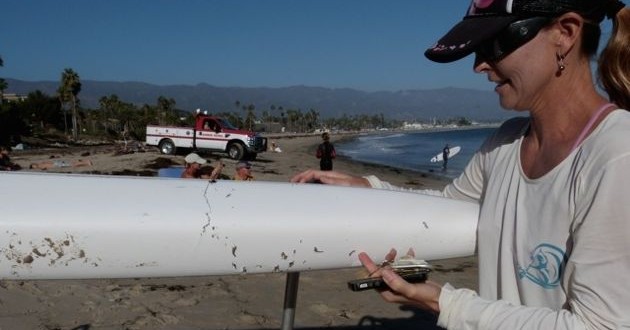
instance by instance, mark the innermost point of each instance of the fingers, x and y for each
(342, 179)
(397, 283)
(399, 290)
(424, 295)
(306, 176)
(369, 264)
(327, 177)
(330, 177)
(391, 255)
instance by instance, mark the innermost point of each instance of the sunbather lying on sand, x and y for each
(47, 164)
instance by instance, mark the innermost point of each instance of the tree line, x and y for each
(61, 116)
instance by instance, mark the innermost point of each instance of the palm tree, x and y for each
(166, 107)
(237, 104)
(3, 87)
(312, 117)
(3, 84)
(250, 116)
(292, 116)
(61, 94)
(68, 91)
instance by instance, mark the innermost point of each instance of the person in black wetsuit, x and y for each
(326, 153)
(445, 152)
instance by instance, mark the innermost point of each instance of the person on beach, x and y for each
(274, 147)
(554, 221)
(59, 163)
(445, 152)
(193, 165)
(243, 171)
(5, 160)
(211, 172)
(326, 153)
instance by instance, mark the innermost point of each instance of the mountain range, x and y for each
(409, 105)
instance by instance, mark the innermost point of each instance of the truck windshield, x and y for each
(226, 124)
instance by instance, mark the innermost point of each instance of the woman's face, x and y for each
(523, 77)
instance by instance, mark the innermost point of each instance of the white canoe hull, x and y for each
(56, 226)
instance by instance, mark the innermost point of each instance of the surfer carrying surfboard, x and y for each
(552, 187)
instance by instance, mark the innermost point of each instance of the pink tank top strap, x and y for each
(590, 123)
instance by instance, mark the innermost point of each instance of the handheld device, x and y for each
(411, 270)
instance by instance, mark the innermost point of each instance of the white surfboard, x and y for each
(453, 151)
(62, 226)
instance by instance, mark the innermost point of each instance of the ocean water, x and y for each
(413, 150)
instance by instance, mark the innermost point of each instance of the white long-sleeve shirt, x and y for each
(554, 252)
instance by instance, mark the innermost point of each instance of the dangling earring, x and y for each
(560, 60)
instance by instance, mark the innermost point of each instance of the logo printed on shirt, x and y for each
(546, 267)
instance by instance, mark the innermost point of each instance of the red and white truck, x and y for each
(209, 134)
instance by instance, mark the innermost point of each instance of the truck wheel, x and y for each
(236, 151)
(167, 147)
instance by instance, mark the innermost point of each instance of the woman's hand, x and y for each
(330, 177)
(424, 295)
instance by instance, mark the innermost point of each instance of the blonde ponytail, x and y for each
(614, 61)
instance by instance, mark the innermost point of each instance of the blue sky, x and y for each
(363, 44)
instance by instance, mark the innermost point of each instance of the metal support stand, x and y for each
(290, 300)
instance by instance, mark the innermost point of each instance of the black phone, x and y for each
(419, 275)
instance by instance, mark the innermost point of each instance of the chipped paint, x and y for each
(28, 259)
(37, 253)
(52, 252)
(147, 264)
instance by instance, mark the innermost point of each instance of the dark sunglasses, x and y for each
(511, 38)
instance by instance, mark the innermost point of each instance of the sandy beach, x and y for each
(215, 302)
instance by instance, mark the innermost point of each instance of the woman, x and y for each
(554, 219)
